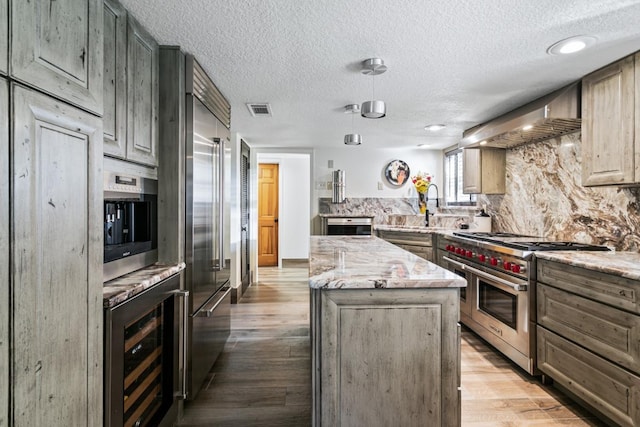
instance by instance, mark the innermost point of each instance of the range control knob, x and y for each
(506, 265)
(517, 268)
(469, 254)
(459, 251)
(482, 258)
(493, 261)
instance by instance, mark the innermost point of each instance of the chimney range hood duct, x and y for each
(552, 115)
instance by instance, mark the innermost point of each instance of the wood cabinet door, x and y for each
(56, 46)
(142, 97)
(114, 120)
(471, 174)
(56, 263)
(4, 252)
(4, 36)
(608, 125)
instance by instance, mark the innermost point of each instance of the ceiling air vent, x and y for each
(259, 109)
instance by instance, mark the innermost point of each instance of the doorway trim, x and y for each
(255, 153)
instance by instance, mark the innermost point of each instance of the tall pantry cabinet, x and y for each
(4, 252)
(53, 209)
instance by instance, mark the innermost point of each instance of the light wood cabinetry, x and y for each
(4, 253)
(4, 36)
(484, 171)
(115, 79)
(131, 96)
(56, 46)
(610, 147)
(56, 263)
(385, 357)
(589, 337)
(142, 95)
(419, 244)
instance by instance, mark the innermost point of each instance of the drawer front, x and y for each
(607, 331)
(405, 237)
(421, 251)
(613, 391)
(612, 290)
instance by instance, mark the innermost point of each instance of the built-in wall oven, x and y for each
(348, 226)
(499, 303)
(130, 223)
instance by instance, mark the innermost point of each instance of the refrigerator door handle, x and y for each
(221, 264)
(209, 312)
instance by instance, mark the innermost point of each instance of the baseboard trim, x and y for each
(295, 263)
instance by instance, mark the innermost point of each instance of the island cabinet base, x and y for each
(383, 357)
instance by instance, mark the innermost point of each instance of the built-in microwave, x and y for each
(130, 223)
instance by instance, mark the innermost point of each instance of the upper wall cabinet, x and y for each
(610, 149)
(4, 36)
(484, 171)
(115, 79)
(56, 46)
(142, 95)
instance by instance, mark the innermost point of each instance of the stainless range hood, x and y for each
(552, 115)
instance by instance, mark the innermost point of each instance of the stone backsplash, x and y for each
(544, 197)
(397, 211)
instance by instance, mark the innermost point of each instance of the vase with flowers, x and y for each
(421, 182)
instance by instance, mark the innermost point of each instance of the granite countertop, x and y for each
(623, 264)
(367, 262)
(124, 287)
(410, 228)
(335, 215)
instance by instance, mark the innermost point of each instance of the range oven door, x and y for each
(501, 306)
(466, 298)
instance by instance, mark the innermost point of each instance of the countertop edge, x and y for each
(623, 264)
(122, 288)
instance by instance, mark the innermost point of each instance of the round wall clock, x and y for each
(397, 173)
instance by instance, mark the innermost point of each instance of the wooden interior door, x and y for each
(267, 215)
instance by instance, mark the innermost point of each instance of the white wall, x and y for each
(294, 174)
(364, 169)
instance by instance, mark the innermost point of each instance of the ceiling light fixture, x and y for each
(434, 128)
(483, 142)
(527, 127)
(352, 138)
(571, 45)
(373, 109)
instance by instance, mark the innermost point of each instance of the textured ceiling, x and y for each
(457, 62)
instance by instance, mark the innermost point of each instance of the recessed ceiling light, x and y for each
(434, 128)
(483, 142)
(527, 127)
(571, 45)
(423, 146)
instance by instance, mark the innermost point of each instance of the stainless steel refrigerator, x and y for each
(205, 138)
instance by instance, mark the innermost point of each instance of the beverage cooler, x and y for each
(141, 358)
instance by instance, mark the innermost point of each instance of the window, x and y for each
(453, 180)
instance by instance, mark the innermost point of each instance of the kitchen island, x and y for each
(385, 336)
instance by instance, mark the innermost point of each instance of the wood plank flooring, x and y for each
(263, 377)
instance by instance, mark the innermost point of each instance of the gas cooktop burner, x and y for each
(483, 236)
(530, 243)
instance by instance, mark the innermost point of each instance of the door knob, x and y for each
(275, 220)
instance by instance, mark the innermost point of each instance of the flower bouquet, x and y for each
(421, 182)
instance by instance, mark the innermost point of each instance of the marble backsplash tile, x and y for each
(544, 197)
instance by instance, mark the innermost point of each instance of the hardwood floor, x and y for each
(263, 377)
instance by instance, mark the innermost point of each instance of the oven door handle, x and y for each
(456, 263)
(518, 287)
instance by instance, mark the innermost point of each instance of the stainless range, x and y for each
(499, 302)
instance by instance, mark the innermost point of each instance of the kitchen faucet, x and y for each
(426, 201)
